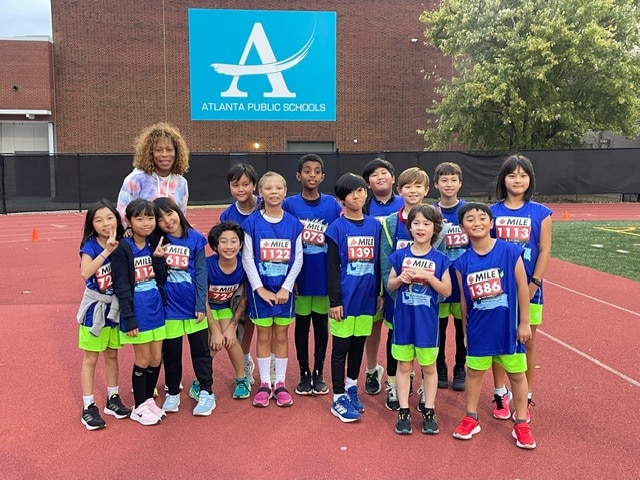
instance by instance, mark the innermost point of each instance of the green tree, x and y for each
(531, 74)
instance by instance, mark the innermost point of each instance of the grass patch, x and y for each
(574, 242)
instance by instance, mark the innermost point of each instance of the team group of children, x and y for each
(343, 265)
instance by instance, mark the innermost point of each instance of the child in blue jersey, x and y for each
(419, 273)
(520, 220)
(138, 269)
(353, 270)
(495, 313)
(185, 308)
(448, 181)
(272, 259)
(316, 211)
(226, 281)
(243, 179)
(379, 174)
(413, 186)
(98, 328)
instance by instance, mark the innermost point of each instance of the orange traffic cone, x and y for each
(565, 216)
(35, 236)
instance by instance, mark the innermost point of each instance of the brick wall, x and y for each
(110, 82)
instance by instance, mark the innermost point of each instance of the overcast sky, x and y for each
(25, 17)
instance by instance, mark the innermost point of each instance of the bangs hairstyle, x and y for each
(447, 168)
(89, 231)
(311, 157)
(413, 175)
(215, 232)
(139, 207)
(236, 172)
(269, 175)
(373, 165)
(147, 140)
(166, 205)
(510, 165)
(348, 183)
(467, 207)
(431, 214)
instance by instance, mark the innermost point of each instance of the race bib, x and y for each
(222, 293)
(484, 284)
(313, 232)
(456, 238)
(403, 244)
(103, 277)
(361, 249)
(143, 268)
(422, 263)
(513, 229)
(177, 257)
(275, 250)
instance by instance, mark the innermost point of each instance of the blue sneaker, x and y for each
(343, 409)
(171, 403)
(194, 391)
(206, 404)
(243, 388)
(352, 393)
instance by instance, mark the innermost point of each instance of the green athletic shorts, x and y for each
(513, 363)
(406, 353)
(155, 335)
(353, 326)
(109, 338)
(306, 305)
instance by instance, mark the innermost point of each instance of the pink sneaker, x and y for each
(155, 409)
(143, 415)
(283, 397)
(501, 410)
(263, 395)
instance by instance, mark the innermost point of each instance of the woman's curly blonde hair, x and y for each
(146, 141)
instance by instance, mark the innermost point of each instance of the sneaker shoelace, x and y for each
(497, 399)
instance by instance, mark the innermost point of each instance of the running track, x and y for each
(586, 419)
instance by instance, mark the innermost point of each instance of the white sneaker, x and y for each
(249, 367)
(143, 415)
(206, 404)
(155, 409)
(171, 403)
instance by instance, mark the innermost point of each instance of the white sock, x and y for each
(371, 370)
(264, 369)
(350, 382)
(281, 369)
(87, 400)
(112, 391)
(500, 391)
(336, 396)
(529, 395)
(247, 357)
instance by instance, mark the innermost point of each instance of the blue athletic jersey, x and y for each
(233, 214)
(415, 313)
(395, 236)
(315, 217)
(522, 226)
(454, 244)
(359, 249)
(221, 285)
(274, 248)
(380, 211)
(186, 275)
(147, 301)
(101, 281)
(490, 290)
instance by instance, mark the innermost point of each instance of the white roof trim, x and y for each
(24, 112)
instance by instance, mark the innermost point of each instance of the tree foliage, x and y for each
(531, 74)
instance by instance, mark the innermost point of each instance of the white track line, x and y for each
(590, 358)
(580, 352)
(593, 298)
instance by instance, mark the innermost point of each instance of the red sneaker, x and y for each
(468, 427)
(524, 438)
(501, 410)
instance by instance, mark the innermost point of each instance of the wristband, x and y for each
(536, 281)
(103, 256)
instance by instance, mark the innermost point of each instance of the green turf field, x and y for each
(612, 247)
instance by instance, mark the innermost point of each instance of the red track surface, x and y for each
(586, 419)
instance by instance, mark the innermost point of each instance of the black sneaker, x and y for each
(443, 376)
(305, 387)
(429, 421)
(403, 426)
(116, 408)
(391, 402)
(91, 418)
(373, 381)
(319, 387)
(459, 377)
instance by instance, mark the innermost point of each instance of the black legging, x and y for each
(200, 359)
(392, 363)
(320, 340)
(346, 350)
(461, 350)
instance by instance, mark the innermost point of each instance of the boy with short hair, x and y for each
(316, 212)
(448, 181)
(413, 186)
(380, 177)
(495, 314)
(354, 284)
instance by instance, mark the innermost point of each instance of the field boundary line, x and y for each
(593, 298)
